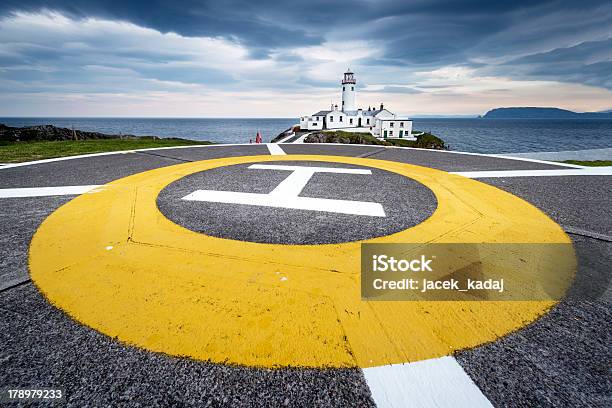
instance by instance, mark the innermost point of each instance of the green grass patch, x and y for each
(401, 142)
(14, 152)
(590, 163)
(424, 141)
(339, 136)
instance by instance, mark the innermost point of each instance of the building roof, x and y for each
(354, 113)
(365, 112)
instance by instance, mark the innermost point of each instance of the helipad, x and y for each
(206, 266)
(112, 261)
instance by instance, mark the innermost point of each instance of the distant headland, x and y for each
(543, 113)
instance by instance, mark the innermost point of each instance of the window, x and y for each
(352, 88)
(343, 88)
(390, 124)
(401, 124)
(368, 121)
(351, 121)
(342, 103)
(390, 133)
(340, 118)
(331, 118)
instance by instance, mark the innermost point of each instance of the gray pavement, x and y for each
(459, 162)
(331, 150)
(406, 204)
(429, 158)
(41, 346)
(581, 202)
(560, 360)
(103, 169)
(86, 171)
(211, 152)
(20, 219)
(587, 155)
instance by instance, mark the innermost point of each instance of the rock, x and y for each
(53, 133)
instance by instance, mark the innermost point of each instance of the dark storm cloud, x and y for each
(588, 63)
(422, 34)
(244, 21)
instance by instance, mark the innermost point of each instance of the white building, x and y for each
(379, 122)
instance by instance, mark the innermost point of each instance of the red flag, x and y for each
(258, 137)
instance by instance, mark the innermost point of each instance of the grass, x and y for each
(401, 142)
(425, 140)
(14, 152)
(593, 163)
(340, 136)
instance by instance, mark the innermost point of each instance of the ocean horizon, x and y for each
(460, 134)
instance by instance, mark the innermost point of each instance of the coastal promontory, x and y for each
(543, 113)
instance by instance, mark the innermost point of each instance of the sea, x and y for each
(464, 134)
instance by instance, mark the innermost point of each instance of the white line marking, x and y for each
(297, 203)
(585, 171)
(286, 194)
(439, 382)
(301, 138)
(284, 139)
(525, 159)
(500, 156)
(585, 154)
(83, 156)
(312, 169)
(45, 191)
(275, 149)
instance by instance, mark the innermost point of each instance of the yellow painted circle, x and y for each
(113, 262)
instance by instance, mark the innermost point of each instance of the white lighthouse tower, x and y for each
(348, 91)
(381, 123)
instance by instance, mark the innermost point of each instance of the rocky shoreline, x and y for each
(423, 140)
(46, 133)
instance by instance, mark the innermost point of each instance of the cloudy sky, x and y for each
(285, 58)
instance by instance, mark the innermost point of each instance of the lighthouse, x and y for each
(348, 91)
(381, 123)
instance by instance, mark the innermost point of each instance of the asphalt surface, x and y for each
(406, 204)
(582, 202)
(21, 217)
(588, 154)
(428, 158)
(42, 346)
(562, 359)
